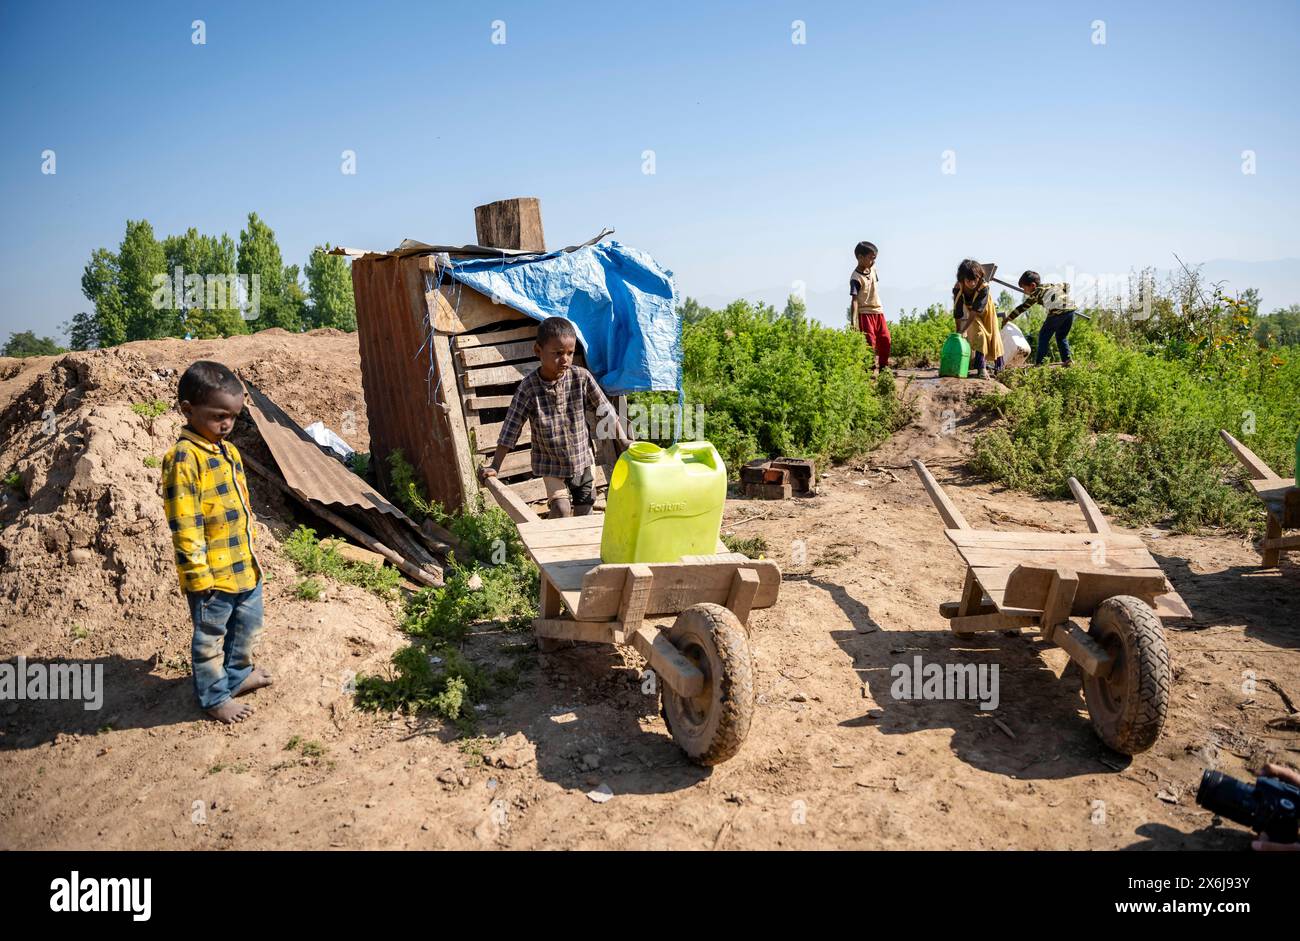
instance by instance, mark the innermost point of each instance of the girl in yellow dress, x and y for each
(976, 314)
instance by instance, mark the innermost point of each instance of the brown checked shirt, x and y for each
(556, 411)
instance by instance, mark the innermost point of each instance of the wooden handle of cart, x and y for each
(511, 502)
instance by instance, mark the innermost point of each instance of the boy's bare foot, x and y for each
(230, 712)
(255, 680)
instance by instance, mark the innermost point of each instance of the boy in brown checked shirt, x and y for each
(553, 399)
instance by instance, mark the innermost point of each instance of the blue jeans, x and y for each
(1056, 325)
(226, 628)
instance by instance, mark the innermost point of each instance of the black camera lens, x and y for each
(1227, 797)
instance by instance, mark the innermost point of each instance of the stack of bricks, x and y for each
(778, 478)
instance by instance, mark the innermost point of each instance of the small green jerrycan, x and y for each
(954, 358)
(664, 503)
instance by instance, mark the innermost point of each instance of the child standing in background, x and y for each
(976, 314)
(864, 305)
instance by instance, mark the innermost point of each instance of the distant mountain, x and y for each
(1278, 283)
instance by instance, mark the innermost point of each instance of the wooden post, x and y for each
(952, 517)
(1092, 514)
(511, 223)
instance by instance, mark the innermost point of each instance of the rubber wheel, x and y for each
(712, 726)
(1128, 705)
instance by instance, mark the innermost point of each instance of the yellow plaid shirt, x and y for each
(208, 511)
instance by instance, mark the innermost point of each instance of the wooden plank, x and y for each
(682, 676)
(511, 223)
(971, 595)
(463, 309)
(601, 632)
(497, 375)
(979, 538)
(486, 437)
(594, 521)
(515, 508)
(740, 599)
(1281, 498)
(534, 489)
(467, 340)
(550, 604)
(1281, 542)
(1271, 555)
(993, 621)
(517, 462)
(952, 609)
(677, 586)
(465, 467)
(1062, 588)
(481, 403)
(1092, 514)
(1083, 650)
(636, 595)
(1249, 460)
(952, 517)
(1119, 560)
(1032, 586)
(500, 353)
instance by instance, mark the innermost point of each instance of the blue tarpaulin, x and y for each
(619, 299)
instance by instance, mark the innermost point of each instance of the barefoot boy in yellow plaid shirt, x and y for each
(208, 510)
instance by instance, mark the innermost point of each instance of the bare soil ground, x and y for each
(832, 760)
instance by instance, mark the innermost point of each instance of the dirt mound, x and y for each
(84, 543)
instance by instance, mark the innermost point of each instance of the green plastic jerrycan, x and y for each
(954, 359)
(664, 503)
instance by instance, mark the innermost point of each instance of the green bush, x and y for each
(917, 339)
(311, 558)
(1138, 424)
(784, 386)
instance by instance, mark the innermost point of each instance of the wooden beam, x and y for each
(468, 340)
(596, 632)
(993, 621)
(636, 595)
(1060, 600)
(1092, 514)
(489, 355)
(515, 508)
(952, 518)
(1083, 650)
(682, 676)
(952, 609)
(744, 588)
(1281, 542)
(511, 223)
(1030, 584)
(1258, 469)
(497, 375)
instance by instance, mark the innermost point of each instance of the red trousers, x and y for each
(876, 329)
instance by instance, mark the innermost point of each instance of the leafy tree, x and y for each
(28, 344)
(99, 282)
(1006, 301)
(209, 308)
(280, 296)
(692, 311)
(139, 258)
(331, 302)
(795, 308)
(82, 331)
(1282, 327)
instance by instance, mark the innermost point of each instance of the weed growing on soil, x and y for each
(151, 461)
(152, 409)
(407, 490)
(309, 589)
(753, 546)
(14, 481)
(308, 749)
(311, 558)
(497, 583)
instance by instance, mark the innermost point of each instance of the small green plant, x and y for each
(309, 589)
(151, 461)
(14, 481)
(360, 463)
(753, 546)
(150, 409)
(305, 747)
(311, 558)
(80, 631)
(407, 489)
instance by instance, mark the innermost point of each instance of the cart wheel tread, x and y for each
(711, 727)
(1129, 705)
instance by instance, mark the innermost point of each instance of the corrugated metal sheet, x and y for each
(309, 471)
(396, 372)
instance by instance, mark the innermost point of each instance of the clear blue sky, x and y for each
(772, 159)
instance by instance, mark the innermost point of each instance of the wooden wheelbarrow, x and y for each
(1281, 498)
(701, 660)
(1042, 580)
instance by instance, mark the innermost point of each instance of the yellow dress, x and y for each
(981, 330)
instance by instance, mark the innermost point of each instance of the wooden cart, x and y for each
(702, 659)
(1041, 580)
(1281, 499)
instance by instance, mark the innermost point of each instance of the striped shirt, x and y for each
(557, 413)
(205, 495)
(1055, 299)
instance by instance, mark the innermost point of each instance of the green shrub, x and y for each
(407, 489)
(311, 558)
(1138, 425)
(917, 339)
(308, 589)
(787, 386)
